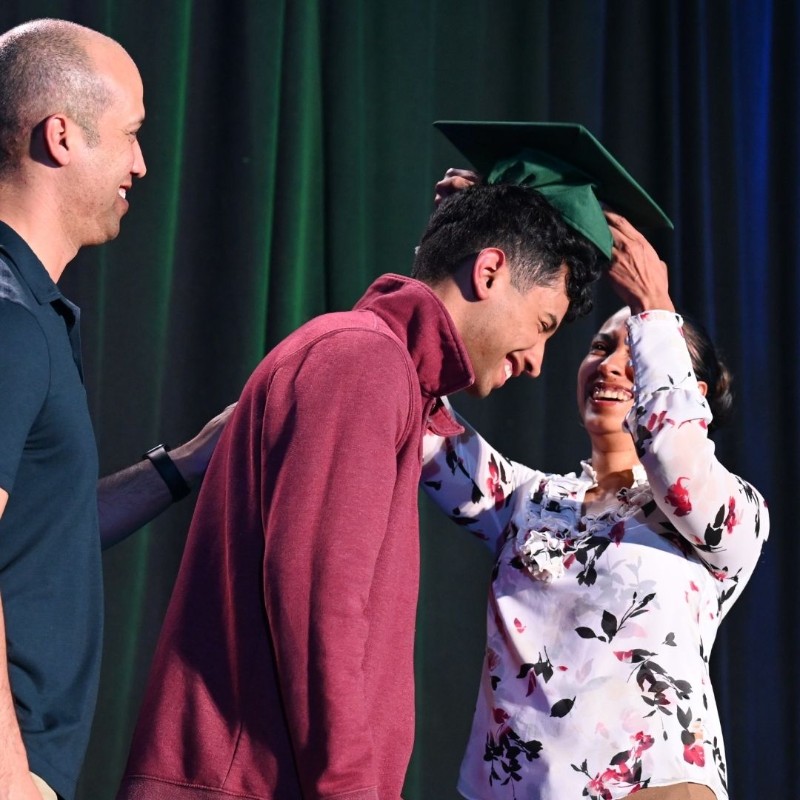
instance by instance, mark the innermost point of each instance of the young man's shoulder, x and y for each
(358, 334)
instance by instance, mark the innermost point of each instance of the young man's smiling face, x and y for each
(507, 333)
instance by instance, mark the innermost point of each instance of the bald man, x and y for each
(71, 105)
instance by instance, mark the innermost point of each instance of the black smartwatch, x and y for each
(170, 474)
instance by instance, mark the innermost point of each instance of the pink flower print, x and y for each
(623, 655)
(617, 532)
(653, 421)
(678, 496)
(694, 754)
(519, 626)
(657, 421)
(631, 721)
(641, 741)
(632, 630)
(500, 716)
(494, 486)
(492, 659)
(732, 520)
(597, 788)
(623, 773)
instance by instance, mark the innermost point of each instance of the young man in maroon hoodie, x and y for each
(285, 665)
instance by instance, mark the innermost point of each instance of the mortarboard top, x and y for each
(566, 164)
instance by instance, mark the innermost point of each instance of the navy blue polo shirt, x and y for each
(50, 569)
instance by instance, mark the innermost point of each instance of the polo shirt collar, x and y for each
(42, 287)
(30, 267)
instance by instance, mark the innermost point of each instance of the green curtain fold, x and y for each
(291, 159)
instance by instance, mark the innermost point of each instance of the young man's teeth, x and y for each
(509, 370)
(122, 192)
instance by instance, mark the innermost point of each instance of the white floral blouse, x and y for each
(599, 627)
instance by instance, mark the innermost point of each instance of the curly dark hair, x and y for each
(536, 240)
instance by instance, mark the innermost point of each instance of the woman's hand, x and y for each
(455, 180)
(636, 273)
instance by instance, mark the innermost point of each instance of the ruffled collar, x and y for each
(556, 528)
(588, 473)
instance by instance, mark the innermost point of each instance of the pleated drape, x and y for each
(291, 159)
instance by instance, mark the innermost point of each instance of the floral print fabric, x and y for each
(595, 682)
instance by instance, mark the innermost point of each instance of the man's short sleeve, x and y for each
(24, 374)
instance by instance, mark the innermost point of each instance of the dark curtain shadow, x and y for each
(291, 159)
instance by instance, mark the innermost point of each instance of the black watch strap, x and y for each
(169, 473)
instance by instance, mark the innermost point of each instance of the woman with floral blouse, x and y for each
(609, 584)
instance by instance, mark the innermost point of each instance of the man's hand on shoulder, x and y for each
(192, 457)
(132, 497)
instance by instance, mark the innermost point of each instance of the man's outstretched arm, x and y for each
(134, 496)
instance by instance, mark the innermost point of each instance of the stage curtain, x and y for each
(291, 160)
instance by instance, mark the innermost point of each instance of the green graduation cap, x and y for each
(566, 164)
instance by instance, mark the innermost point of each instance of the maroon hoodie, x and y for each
(285, 665)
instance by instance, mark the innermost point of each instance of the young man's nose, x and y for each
(533, 358)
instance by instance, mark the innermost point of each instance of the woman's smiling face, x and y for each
(605, 378)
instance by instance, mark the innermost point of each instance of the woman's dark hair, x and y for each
(710, 368)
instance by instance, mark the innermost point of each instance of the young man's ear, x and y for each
(489, 267)
(56, 139)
